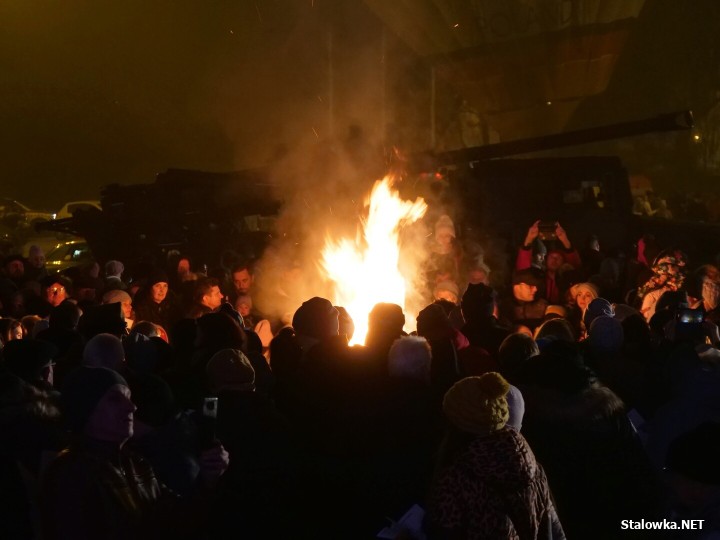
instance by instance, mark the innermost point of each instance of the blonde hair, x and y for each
(579, 287)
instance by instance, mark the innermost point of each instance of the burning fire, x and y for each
(365, 271)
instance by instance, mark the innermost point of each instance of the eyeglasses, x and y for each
(57, 290)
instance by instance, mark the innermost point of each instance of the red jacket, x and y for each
(552, 291)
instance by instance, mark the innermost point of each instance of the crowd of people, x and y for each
(173, 403)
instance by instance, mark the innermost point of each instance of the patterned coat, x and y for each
(495, 489)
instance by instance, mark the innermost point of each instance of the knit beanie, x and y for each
(597, 308)
(478, 404)
(316, 318)
(386, 317)
(433, 323)
(157, 276)
(154, 400)
(230, 369)
(104, 350)
(478, 301)
(82, 391)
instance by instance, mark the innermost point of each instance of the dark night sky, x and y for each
(95, 92)
(100, 92)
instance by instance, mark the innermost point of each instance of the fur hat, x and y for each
(316, 318)
(82, 391)
(410, 357)
(478, 404)
(230, 369)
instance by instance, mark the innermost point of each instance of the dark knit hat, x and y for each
(599, 307)
(27, 358)
(231, 369)
(433, 323)
(59, 279)
(13, 257)
(103, 319)
(478, 301)
(157, 276)
(478, 404)
(694, 454)
(388, 316)
(154, 400)
(529, 276)
(316, 318)
(82, 391)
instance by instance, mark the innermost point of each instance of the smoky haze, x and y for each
(95, 93)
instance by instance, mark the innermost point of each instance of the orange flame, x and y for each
(365, 272)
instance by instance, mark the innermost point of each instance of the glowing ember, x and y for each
(365, 271)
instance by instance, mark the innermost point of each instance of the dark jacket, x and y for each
(95, 491)
(529, 314)
(594, 461)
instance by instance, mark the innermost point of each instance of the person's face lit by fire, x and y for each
(17, 332)
(524, 292)
(183, 267)
(37, 259)
(56, 294)
(159, 292)
(214, 298)
(583, 298)
(127, 309)
(15, 269)
(243, 281)
(444, 238)
(477, 275)
(243, 305)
